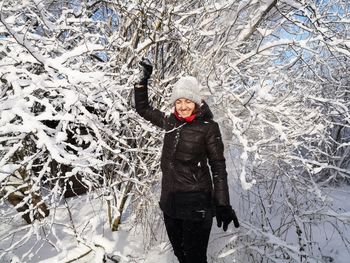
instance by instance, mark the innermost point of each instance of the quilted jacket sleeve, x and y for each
(217, 162)
(145, 110)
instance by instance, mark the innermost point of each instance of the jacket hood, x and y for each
(204, 111)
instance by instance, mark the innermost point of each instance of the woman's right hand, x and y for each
(147, 69)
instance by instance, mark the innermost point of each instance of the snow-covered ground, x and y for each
(91, 239)
(333, 246)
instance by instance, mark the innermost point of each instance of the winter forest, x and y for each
(79, 168)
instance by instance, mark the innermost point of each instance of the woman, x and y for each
(190, 194)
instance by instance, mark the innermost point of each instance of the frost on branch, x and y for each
(276, 77)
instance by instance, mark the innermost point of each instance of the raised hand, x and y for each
(147, 69)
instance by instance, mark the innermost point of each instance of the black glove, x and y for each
(147, 68)
(225, 215)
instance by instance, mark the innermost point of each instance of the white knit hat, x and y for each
(188, 88)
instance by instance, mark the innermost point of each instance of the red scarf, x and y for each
(187, 119)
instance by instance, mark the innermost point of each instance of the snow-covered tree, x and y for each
(275, 74)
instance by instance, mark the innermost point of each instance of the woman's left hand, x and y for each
(225, 215)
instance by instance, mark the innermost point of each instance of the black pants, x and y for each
(189, 238)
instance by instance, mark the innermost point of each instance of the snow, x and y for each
(281, 92)
(92, 239)
(7, 170)
(95, 239)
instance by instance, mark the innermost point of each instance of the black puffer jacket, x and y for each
(187, 150)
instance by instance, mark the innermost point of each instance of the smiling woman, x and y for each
(186, 96)
(191, 192)
(184, 107)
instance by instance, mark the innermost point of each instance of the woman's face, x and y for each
(184, 107)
